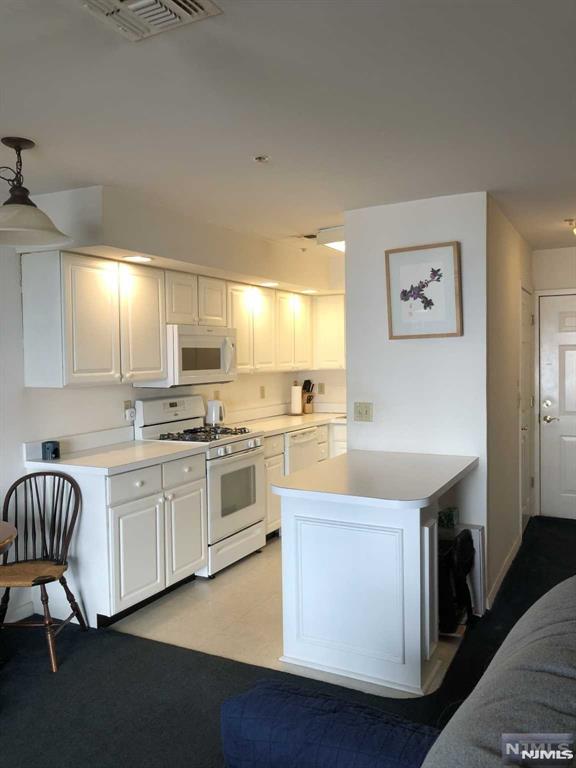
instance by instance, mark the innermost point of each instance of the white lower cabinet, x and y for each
(274, 473)
(136, 551)
(186, 534)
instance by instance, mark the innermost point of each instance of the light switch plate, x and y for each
(321, 389)
(363, 411)
(262, 393)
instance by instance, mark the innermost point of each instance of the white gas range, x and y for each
(234, 468)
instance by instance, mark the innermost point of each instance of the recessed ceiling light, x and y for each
(261, 158)
(269, 285)
(309, 290)
(138, 259)
(333, 237)
(572, 224)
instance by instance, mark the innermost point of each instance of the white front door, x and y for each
(558, 405)
(526, 406)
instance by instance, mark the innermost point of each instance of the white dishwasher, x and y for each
(300, 449)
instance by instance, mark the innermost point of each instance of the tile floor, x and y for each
(238, 615)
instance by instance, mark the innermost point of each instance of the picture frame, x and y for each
(424, 291)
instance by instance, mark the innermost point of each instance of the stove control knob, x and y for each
(251, 443)
(228, 450)
(258, 442)
(221, 451)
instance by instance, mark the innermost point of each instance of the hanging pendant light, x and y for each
(21, 222)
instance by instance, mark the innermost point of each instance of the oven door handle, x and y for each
(234, 457)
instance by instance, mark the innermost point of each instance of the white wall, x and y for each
(554, 268)
(429, 395)
(509, 270)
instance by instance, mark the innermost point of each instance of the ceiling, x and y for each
(357, 102)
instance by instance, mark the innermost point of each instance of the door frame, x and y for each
(537, 396)
(532, 509)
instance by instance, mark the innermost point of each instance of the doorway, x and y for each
(558, 405)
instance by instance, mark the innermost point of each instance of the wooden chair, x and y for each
(43, 506)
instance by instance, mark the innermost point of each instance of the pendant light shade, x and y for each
(21, 222)
(27, 225)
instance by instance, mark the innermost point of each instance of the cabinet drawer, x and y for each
(134, 485)
(322, 451)
(273, 446)
(183, 471)
(322, 434)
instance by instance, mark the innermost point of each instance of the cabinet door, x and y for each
(181, 298)
(136, 551)
(91, 320)
(142, 323)
(329, 336)
(240, 317)
(274, 473)
(186, 531)
(284, 331)
(302, 332)
(264, 323)
(211, 301)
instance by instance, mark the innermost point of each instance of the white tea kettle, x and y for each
(215, 412)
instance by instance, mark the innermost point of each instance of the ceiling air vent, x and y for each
(138, 19)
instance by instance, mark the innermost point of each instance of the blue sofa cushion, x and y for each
(276, 725)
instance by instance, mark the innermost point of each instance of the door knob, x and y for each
(550, 419)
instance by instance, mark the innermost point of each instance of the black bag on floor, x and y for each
(455, 561)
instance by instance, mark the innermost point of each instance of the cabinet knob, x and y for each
(139, 483)
(161, 500)
(169, 496)
(128, 376)
(187, 469)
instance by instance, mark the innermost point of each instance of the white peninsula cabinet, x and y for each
(138, 532)
(91, 321)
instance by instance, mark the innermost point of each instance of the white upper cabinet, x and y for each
(212, 302)
(181, 298)
(240, 317)
(302, 306)
(142, 323)
(329, 332)
(284, 331)
(91, 320)
(70, 319)
(263, 302)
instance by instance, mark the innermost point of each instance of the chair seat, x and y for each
(30, 573)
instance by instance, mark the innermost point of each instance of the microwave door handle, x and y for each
(228, 355)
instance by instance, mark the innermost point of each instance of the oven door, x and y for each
(236, 493)
(203, 355)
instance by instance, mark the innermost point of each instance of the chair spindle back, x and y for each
(43, 506)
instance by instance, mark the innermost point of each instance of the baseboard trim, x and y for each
(493, 591)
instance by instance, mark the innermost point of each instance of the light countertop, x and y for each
(276, 425)
(120, 457)
(379, 478)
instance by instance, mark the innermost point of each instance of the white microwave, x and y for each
(198, 355)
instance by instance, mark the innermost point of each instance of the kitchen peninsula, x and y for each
(359, 564)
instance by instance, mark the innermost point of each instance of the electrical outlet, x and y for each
(262, 393)
(363, 411)
(216, 394)
(127, 404)
(129, 414)
(321, 389)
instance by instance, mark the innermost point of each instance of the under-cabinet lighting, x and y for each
(309, 290)
(269, 285)
(138, 259)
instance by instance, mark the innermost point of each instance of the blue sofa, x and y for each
(529, 687)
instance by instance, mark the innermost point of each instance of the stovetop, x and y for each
(205, 434)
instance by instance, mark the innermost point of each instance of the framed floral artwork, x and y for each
(424, 291)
